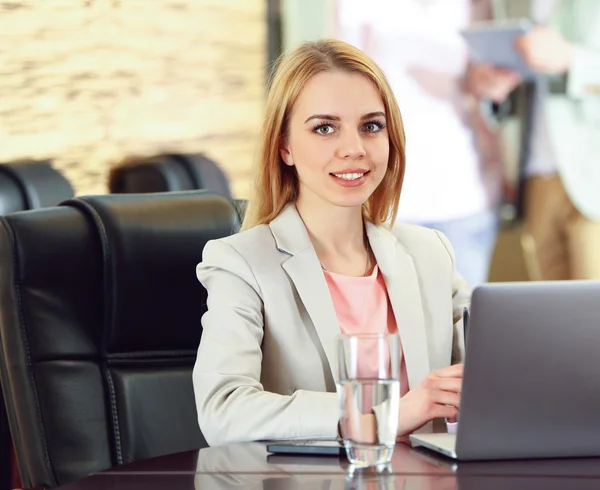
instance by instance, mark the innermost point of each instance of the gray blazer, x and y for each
(266, 363)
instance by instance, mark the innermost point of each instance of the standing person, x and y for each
(318, 257)
(453, 172)
(562, 187)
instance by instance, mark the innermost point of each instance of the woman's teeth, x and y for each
(352, 176)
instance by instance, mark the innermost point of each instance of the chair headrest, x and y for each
(151, 244)
(205, 173)
(11, 194)
(168, 173)
(42, 185)
(158, 173)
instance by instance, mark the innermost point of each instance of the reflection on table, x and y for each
(250, 466)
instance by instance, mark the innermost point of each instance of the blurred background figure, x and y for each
(453, 175)
(562, 168)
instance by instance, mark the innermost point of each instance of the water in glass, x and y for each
(369, 393)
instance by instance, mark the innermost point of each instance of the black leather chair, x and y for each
(26, 184)
(30, 184)
(241, 205)
(99, 325)
(167, 173)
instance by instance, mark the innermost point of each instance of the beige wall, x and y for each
(87, 82)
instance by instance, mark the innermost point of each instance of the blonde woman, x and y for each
(317, 258)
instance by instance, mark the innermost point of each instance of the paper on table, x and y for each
(494, 43)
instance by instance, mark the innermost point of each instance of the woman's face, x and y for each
(337, 139)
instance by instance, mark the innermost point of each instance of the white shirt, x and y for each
(418, 45)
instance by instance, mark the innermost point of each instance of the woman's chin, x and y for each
(351, 200)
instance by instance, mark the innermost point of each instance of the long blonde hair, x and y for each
(276, 184)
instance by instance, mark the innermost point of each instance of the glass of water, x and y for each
(369, 389)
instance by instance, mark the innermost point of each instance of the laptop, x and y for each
(531, 386)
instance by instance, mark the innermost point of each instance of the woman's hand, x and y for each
(545, 50)
(437, 396)
(486, 81)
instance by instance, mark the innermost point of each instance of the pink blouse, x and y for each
(363, 307)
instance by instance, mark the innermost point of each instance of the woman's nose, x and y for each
(351, 146)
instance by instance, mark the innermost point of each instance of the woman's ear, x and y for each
(286, 154)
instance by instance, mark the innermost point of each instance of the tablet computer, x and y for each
(494, 43)
(309, 447)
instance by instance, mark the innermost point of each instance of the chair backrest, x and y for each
(99, 326)
(30, 184)
(241, 205)
(5, 450)
(167, 173)
(25, 184)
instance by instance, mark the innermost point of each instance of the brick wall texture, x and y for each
(88, 82)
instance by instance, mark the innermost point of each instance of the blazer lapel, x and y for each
(397, 267)
(304, 270)
(403, 289)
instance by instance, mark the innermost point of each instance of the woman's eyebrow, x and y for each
(330, 117)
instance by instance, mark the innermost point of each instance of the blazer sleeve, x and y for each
(461, 299)
(231, 402)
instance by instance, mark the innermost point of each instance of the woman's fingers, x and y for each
(448, 384)
(442, 397)
(445, 412)
(454, 371)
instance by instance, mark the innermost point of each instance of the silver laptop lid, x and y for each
(531, 384)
